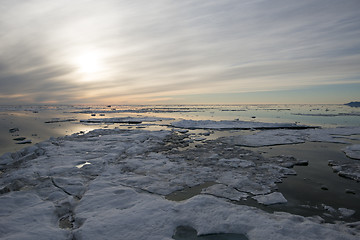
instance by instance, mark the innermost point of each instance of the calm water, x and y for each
(30, 120)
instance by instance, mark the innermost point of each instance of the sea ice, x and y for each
(125, 120)
(352, 151)
(272, 198)
(349, 170)
(346, 212)
(291, 136)
(120, 193)
(225, 124)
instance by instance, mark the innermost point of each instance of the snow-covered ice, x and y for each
(291, 136)
(119, 190)
(272, 198)
(349, 170)
(353, 151)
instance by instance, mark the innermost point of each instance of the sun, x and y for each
(89, 63)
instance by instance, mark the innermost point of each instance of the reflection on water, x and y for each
(31, 119)
(316, 186)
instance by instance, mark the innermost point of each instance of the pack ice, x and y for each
(111, 184)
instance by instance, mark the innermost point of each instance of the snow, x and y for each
(119, 190)
(346, 212)
(349, 170)
(353, 151)
(269, 199)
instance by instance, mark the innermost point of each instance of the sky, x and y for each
(179, 52)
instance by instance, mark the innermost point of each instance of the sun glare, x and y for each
(88, 63)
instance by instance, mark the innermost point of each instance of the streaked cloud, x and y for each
(91, 51)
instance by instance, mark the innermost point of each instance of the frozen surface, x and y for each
(124, 120)
(272, 198)
(349, 170)
(291, 136)
(224, 124)
(110, 184)
(353, 151)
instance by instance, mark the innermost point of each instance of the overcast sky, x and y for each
(167, 51)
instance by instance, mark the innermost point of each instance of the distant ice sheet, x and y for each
(225, 124)
(125, 120)
(286, 136)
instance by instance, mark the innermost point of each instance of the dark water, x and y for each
(305, 193)
(189, 233)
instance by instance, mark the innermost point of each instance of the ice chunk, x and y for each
(347, 170)
(226, 192)
(272, 198)
(346, 212)
(352, 151)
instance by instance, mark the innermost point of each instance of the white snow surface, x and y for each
(353, 151)
(119, 192)
(272, 198)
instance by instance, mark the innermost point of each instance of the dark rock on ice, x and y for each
(19, 139)
(350, 191)
(24, 142)
(12, 130)
(61, 120)
(323, 187)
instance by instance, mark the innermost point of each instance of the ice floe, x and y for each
(349, 170)
(346, 212)
(353, 151)
(291, 136)
(125, 120)
(272, 198)
(119, 190)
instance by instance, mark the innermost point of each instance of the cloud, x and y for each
(155, 49)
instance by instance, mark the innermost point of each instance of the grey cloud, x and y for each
(177, 44)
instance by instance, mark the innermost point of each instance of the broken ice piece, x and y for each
(269, 199)
(352, 151)
(346, 212)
